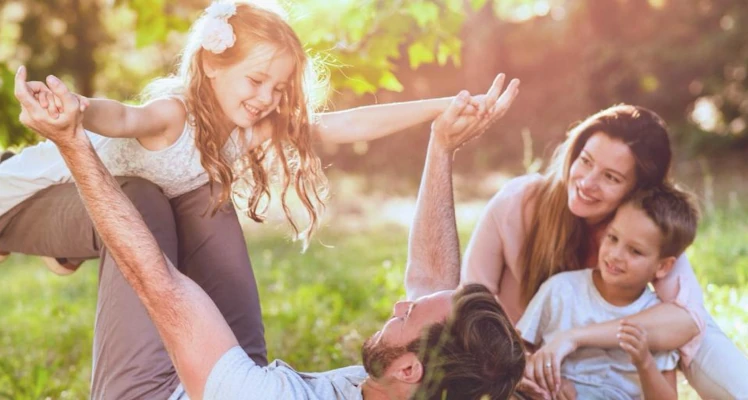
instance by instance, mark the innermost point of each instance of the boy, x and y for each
(647, 234)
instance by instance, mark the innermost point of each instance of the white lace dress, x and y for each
(176, 169)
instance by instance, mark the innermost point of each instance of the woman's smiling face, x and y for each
(600, 178)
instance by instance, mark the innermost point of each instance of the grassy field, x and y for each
(318, 307)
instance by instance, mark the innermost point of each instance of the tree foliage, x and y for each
(360, 40)
(686, 61)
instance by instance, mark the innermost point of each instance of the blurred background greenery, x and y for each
(687, 60)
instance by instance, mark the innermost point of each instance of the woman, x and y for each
(539, 225)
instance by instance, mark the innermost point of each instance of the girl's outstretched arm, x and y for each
(161, 119)
(373, 122)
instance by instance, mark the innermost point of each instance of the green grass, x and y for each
(46, 331)
(318, 307)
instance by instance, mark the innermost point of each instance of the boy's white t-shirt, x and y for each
(176, 169)
(570, 299)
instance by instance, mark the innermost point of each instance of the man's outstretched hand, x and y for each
(65, 128)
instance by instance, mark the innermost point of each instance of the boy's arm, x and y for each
(373, 122)
(656, 384)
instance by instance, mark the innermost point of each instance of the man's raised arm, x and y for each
(193, 330)
(433, 245)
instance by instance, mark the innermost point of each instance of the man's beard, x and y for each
(378, 357)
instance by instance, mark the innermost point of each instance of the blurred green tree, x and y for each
(685, 60)
(52, 36)
(673, 56)
(360, 40)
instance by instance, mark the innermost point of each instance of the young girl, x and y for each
(239, 110)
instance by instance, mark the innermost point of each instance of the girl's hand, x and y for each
(481, 105)
(633, 340)
(45, 97)
(544, 366)
(65, 130)
(453, 128)
(49, 101)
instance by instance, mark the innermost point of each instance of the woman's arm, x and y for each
(162, 118)
(498, 234)
(373, 122)
(484, 257)
(668, 328)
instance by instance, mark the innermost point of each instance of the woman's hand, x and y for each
(544, 366)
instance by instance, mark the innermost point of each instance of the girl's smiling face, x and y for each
(252, 88)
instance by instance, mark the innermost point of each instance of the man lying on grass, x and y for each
(441, 343)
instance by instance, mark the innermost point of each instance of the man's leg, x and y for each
(52, 223)
(130, 361)
(129, 358)
(213, 253)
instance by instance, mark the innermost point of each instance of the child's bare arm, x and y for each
(158, 120)
(376, 121)
(162, 118)
(655, 384)
(658, 385)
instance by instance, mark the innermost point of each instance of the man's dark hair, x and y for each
(475, 354)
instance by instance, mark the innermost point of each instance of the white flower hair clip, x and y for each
(217, 33)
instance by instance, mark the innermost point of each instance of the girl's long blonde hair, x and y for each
(557, 239)
(289, 155)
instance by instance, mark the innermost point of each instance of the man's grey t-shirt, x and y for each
(236, 376)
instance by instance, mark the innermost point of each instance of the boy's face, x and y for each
(630, 252)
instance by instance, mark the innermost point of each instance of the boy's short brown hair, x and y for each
(675, 214)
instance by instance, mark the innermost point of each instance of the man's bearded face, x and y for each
(377, 356)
